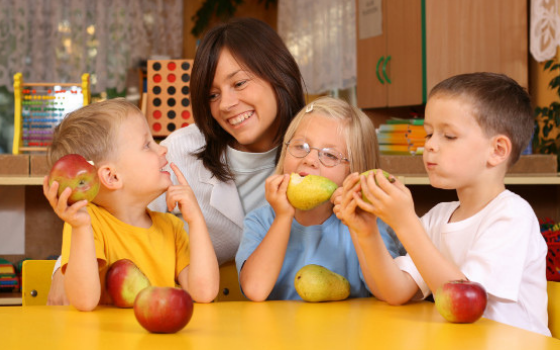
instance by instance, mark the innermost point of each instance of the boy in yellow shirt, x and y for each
(117, 225)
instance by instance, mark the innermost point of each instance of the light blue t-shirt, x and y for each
(329, 245)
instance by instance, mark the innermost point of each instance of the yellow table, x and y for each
(352, 324)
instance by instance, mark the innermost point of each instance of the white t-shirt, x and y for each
(251, 171)
(500, 247)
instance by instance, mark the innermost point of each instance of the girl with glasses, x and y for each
(332, 139)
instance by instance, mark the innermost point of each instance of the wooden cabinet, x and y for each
(426, 41)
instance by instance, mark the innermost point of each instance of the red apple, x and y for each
(461, 301)
(163, 309)
(124, 281)
(74, 171)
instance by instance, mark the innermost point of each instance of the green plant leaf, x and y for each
(222, 9)
(548, 64)
(268, 2)
(538, 111)
(546, 130)
(554, 83)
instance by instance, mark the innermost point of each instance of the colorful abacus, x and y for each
(39, 108)
(168, 105)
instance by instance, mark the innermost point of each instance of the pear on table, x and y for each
(307, 192)
(316, 283)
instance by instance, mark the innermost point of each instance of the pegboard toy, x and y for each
(39, 108)
(168, 103)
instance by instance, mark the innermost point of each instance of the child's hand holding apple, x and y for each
(70, 185)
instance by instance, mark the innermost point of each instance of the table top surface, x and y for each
(351, 324)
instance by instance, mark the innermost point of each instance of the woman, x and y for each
(245, 89)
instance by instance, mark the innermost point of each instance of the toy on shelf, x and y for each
(8, 278)
(402, 137)
(168, 103)
(551, 234)
(39, 108)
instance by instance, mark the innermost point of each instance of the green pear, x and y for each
(307, 192)
(386, 174)
(316, 283)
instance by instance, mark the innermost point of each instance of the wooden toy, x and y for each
(8, 277)
(168, 103)
(39, 108)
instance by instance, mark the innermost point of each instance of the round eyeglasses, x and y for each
(327, 156)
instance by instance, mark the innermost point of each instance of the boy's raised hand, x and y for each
(76, 214)
(391, 202)
(276, 187)
(183, 195)
(346, 206)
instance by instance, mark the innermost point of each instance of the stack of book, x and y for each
(402, 137)
(8, 277)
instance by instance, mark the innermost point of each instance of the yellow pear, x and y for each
(386, 174)
(307, 192)
(316, 283)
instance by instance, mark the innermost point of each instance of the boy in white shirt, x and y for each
(477, 125)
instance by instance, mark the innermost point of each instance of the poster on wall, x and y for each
(370, 19)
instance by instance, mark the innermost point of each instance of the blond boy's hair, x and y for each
(358, 130)
(499, 104)
(91, 131)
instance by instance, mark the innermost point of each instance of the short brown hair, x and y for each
(359, 132)
(90, 131)
(257, 47)
(499, 103)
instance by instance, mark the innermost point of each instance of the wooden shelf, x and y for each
(21, 180)
(10, 299)
(530, 179)
(517, 179)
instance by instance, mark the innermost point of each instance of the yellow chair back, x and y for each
(553, 289)
(36, 281)
(229, 284)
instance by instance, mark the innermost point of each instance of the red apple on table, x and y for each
(163, 309)
(74, 171)
(124, 281)
(461, 301)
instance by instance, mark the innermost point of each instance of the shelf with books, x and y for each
(401, 137)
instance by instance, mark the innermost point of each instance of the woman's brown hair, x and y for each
(259, 49)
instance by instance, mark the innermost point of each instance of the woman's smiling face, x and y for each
(244, 105)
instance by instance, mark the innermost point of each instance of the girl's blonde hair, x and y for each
(91, 131)
(358, 130)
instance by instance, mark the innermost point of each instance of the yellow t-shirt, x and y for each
(160, 252)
